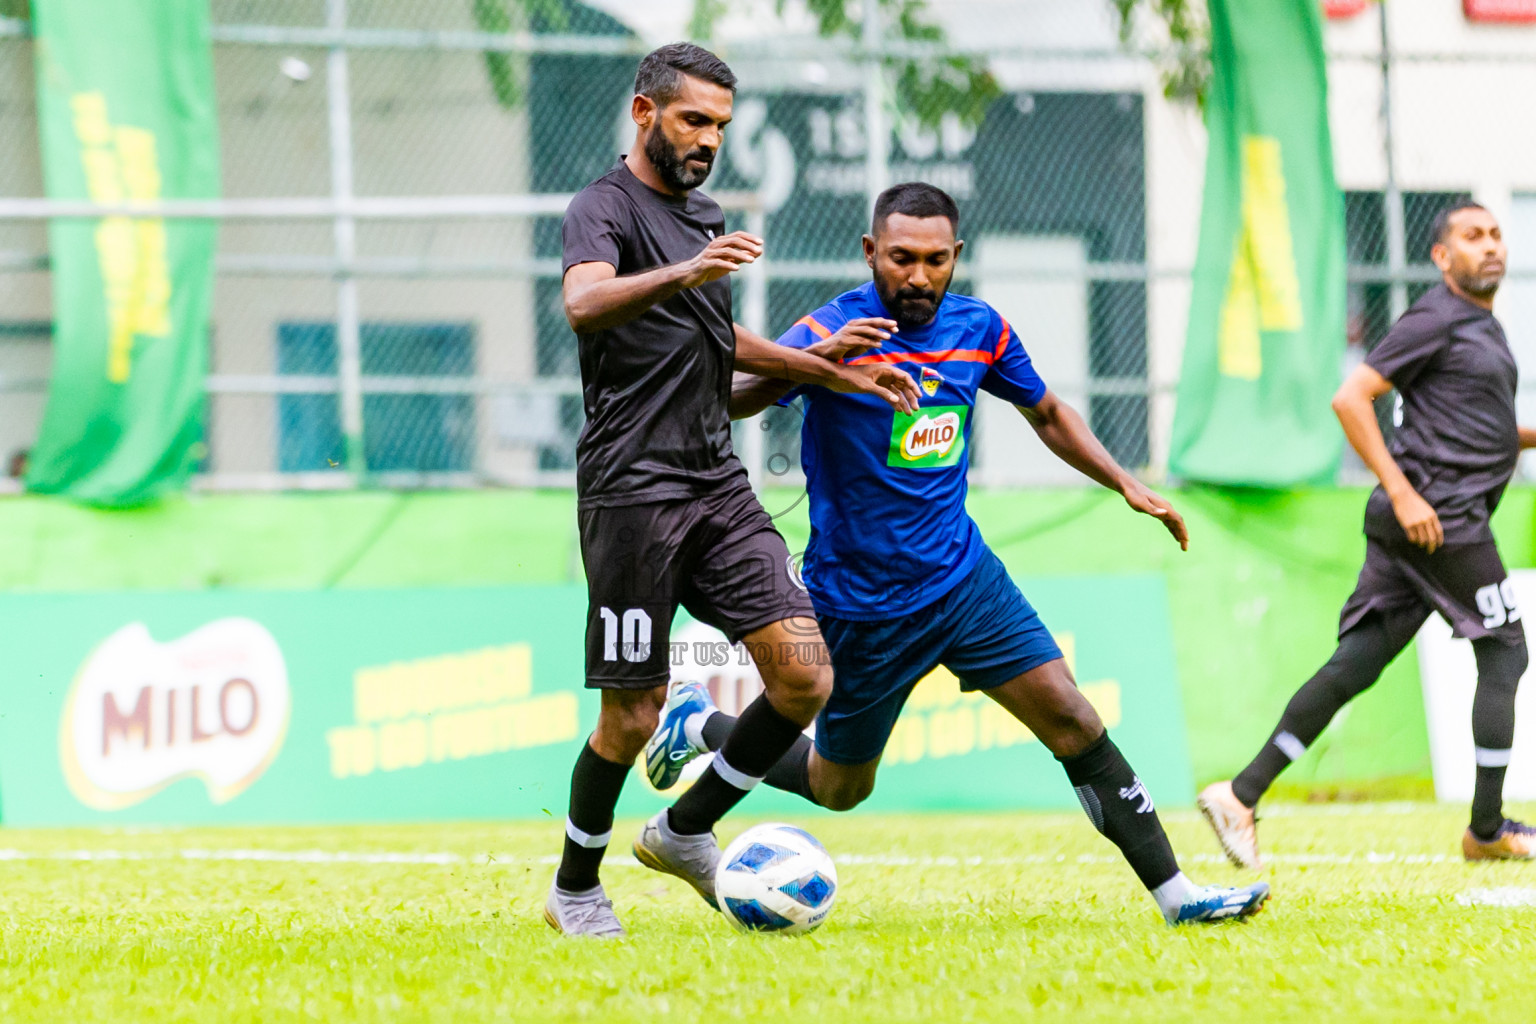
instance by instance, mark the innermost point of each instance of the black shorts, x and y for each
(717, 555)
(1465, 583)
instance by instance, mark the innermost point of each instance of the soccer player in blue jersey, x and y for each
(898, 573)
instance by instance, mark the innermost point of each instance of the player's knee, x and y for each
(1500, 664)
(1073, 724)
(846, 795)
(800, 690)
(625, 730)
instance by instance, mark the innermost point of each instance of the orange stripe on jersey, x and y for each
(816, 328)
(1002, 342)
(954, 355)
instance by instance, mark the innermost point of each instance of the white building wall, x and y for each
(427, 124)
(424, 123)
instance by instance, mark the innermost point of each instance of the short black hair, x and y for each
(915, 199)
(1441, 228)
(660, 75)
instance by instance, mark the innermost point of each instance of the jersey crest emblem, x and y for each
(928, 437)
(931, 381)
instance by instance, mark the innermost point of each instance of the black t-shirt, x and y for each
(657, 388)
(1457, 440)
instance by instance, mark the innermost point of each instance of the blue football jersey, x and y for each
(889, 530)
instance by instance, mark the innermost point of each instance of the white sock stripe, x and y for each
(1289, 745)
(741, 780)
(1490, 758)
(586, 839)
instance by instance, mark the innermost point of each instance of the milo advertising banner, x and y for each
(386, 705)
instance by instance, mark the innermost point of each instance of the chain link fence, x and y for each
(387, 307)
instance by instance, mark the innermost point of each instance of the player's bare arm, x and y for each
(757, 355)
(1353, 404)
(597, 299)
(1527, 438)
(1066, 434)
(751, 393)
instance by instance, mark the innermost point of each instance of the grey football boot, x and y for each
(589, 914)
(691, 858)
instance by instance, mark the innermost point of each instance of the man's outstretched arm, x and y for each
(751, 393)
(1067, 435)
(762, 358)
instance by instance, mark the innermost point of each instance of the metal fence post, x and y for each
(877, 157)
(1397, 243)
(349, 362)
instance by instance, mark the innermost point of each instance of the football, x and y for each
(776, 878)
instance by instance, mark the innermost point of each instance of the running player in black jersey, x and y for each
(1429, 546)
(667, 516)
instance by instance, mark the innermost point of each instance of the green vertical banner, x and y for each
(1266, 317)
(127, 115)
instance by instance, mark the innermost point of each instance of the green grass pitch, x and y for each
(940, 918)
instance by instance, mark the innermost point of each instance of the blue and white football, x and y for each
(776, 878)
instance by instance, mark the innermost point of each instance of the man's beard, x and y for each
(1480, 283)
(674, 169)
(912, 307)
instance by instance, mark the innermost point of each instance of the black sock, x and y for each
(595, 786)
(759, 738)
(1363, 653)
(791, 773)
(1499, 668)
(1120, 808)
(717, 727)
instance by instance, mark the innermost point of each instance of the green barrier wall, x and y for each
(1254, 602)
(387, 704)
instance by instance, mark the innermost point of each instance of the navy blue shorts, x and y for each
(983, 631)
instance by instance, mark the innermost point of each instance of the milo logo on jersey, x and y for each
(928, 438)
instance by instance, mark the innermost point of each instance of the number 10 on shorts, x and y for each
(636, 646)
(1497, 603)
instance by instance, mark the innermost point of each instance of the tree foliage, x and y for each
(925, 87)
(1185, 64)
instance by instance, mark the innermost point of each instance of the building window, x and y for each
(424, 433)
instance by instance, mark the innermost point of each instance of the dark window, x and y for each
(412, 432)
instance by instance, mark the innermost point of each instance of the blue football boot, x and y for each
(669, 750)
(1218, 902)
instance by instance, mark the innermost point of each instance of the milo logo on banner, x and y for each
(928, 438)
(141, 714)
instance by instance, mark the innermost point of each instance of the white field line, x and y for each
(854, 859)
(509, 861)
(1502, 896)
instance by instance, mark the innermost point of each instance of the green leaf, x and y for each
(1185, 68)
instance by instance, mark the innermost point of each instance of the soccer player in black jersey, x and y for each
(1428, 542)
(665, 511)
